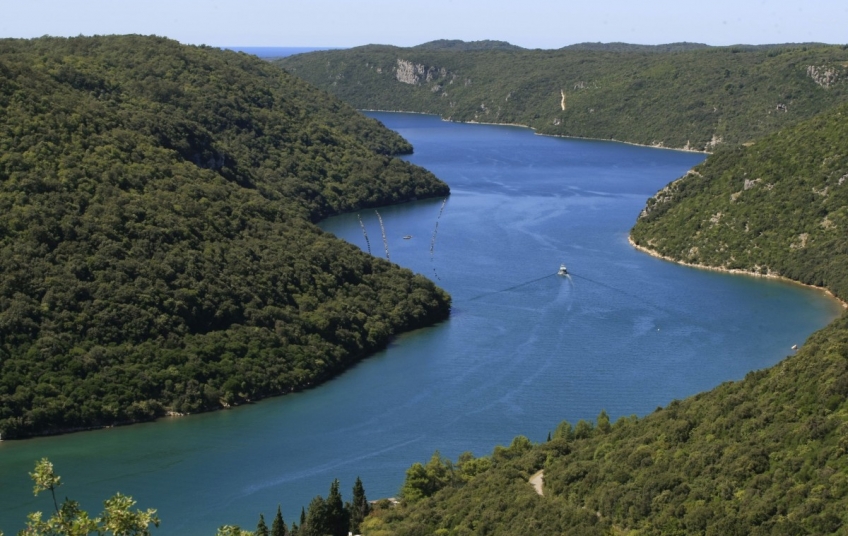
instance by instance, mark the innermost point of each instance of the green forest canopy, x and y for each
(677, 95)
(157, 246)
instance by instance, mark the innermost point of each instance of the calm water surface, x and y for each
(523, 348)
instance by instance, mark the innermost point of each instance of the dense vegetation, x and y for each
(765, 455)
(778, 206)
(157, 250)
(677, 95)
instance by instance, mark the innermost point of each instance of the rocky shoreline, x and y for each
(737, 271)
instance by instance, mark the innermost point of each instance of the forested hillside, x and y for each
(680, 95)
(777, 206)
(767, 455)
(157, 250)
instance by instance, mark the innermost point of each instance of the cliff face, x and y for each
(407, 72)
(825, 75)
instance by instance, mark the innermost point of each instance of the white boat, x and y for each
(562, 270)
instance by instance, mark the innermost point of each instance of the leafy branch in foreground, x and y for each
(70, 520)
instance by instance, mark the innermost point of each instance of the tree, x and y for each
(358, 507)
(261, 527)
(278, 526)
(425, 480)
(336, 515)
(583, 429)
(69, 520)
(604, 422)
(564, 431)
(314, 523)
(232, 530)
(45, 479)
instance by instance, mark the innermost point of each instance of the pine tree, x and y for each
(261, 527)
(315, 521)
(336, 517)
(358, 507)
(278, 526)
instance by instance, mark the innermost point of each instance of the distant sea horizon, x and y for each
(277, 52)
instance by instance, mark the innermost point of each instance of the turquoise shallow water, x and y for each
(523, 348)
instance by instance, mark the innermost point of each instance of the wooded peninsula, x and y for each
(158, 252)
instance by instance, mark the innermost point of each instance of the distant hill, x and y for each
(763, 456)
(458, 45)
(629, 47)
(157, 250)
(679, 95)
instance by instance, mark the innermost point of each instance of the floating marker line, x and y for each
(367, 242)
(433, 240)
(383, 230)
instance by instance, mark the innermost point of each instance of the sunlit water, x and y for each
(523, 348)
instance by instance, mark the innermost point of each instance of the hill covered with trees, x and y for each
(766, 455)
(680, 95)
(157, 246)
(778, 206)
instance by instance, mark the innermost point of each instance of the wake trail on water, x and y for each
(485, 294)
(639, 299)
(537, 354)
(323, 468)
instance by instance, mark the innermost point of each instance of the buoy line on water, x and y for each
(433, 240)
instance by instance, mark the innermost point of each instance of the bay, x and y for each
(523, 348)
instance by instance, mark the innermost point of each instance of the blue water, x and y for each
(523, 348)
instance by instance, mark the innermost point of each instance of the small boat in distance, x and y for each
(562, 270)
(407, 237)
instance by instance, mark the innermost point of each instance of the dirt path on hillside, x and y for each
(538, 480)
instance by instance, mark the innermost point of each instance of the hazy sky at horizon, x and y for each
(528, 23)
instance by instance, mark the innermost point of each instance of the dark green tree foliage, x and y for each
(336, 516)
(425, 480)
(778, 206)
(315, 521)
(358, 508)
(677, 95)
(278, 526)
(157, 246)
(262, 528)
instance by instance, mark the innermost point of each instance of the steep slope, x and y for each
(766, 455)
(778, 206)
(156, 246)
(678, 95)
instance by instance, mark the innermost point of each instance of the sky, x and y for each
(347, 23)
